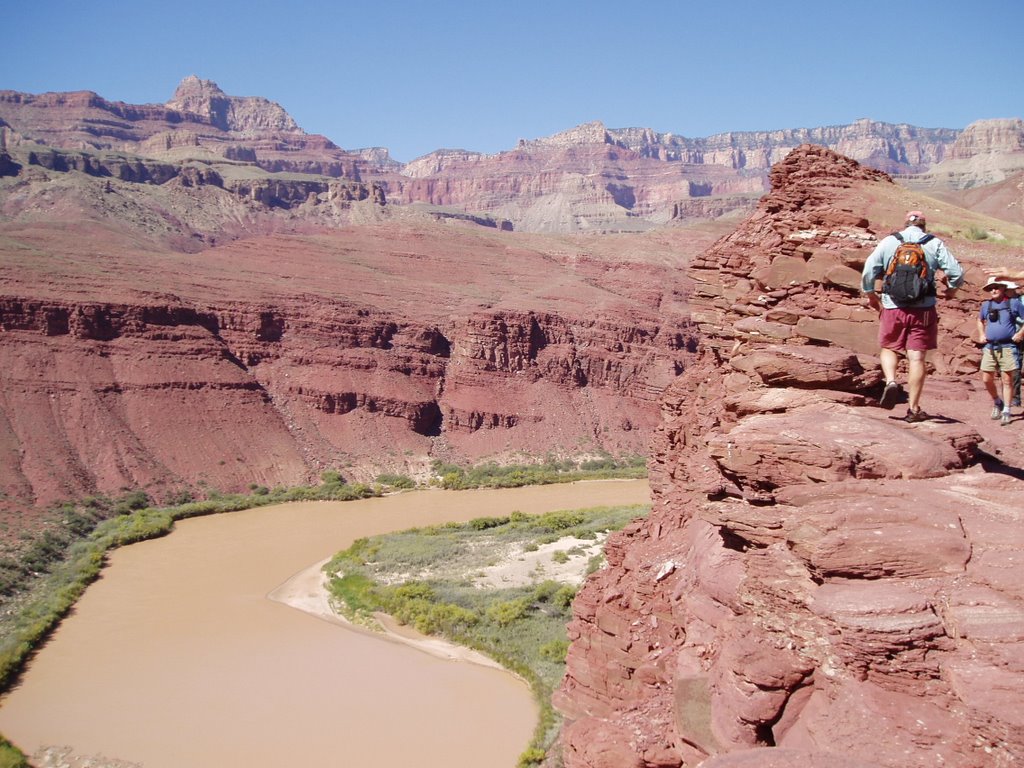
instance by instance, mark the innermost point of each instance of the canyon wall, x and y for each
(587, 179)
(270, 360)
(819, 582)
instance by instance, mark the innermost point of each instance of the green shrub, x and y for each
(556, 521)
(508, 611)
(332, 477)
(546, 590)
(183, 496)
(356, 592)
(132, 501)
(493, 475)
(556, 650)
(483, 523)
(532, 757)
(563, 597)
(402, 482)
(595, 464)
(454, 481)
(11, 756)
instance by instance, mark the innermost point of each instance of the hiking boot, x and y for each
(913, 417)
(997, 409)
(1005, 419)
(890, 395)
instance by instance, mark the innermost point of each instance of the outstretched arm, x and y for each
(1004, 273)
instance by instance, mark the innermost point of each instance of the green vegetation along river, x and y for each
(176, 656)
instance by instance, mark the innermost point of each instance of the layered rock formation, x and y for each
(586, 179)
(592, 178)
(199, 123)
(989, 153)
(819, 583)
(272, 359)
(219, 213)
(248, 116)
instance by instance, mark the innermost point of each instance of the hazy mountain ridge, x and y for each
(587, 178)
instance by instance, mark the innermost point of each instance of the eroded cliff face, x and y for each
(819, 583)
(199, 123)
(586, 179)
(270, 360)
(985, 161)
(989, 137)
(592, 178)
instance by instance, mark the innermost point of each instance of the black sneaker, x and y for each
(913, 417)
(890, 395)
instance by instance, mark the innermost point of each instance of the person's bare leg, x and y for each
(890, 358)
(917, 359)
(988, 378)
(1007, 377)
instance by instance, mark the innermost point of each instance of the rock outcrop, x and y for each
(247, 116)
(819, 582)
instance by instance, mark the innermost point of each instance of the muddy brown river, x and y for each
(176, 656)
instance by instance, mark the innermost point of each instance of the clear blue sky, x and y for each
(415, 76)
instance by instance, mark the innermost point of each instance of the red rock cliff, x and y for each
(272, 359)
(819, 583)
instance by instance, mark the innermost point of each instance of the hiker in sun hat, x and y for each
(899, 280)
(1000, 330)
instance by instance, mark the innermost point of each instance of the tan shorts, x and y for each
(1004, 359)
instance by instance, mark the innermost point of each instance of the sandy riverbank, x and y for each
(307, 591)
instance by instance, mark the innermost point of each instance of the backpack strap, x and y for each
(924, 239)
(1017, 311)
(898, 236)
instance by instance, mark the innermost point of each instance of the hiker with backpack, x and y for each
(1000, 332)
(899, 280)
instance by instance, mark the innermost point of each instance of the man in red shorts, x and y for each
(909, 327)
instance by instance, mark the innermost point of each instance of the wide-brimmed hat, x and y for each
(997, 284)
